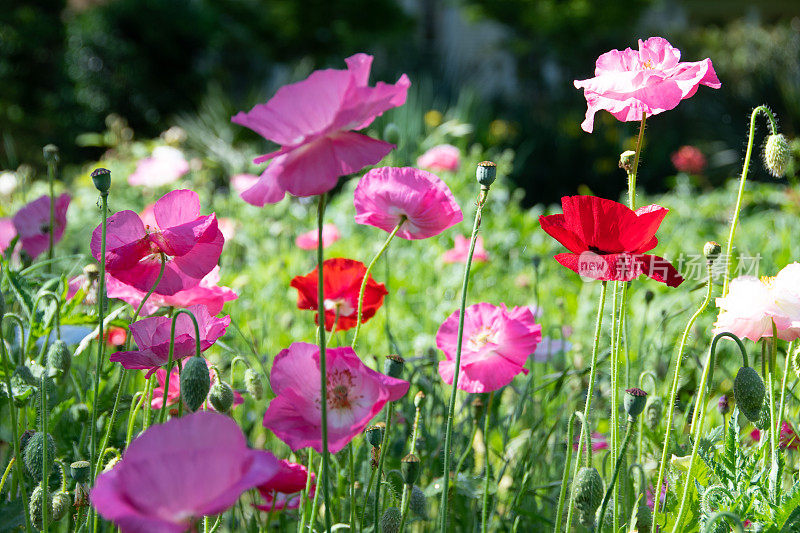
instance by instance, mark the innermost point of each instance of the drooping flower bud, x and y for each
(80, 471)
(393, 366)
(419, 399)
(390, 521)
(101, 178)
(417, 502)
(36, 505)
(655, 407)
(254, 383)
(375, 434)
(58, 357)
(748, 391)
(34, 451)
(410, 466)
(626, 159)
(712, 250)
(777, 154)
(634, 402)
(486, 173)
(195, 383)
(221, 396)
(588, 494)
(60, 505)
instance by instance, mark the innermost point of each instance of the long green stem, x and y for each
(101, 299)
(384, 448)
(488, 473)
(404, 507)
(162, 414)
(674, 393)
(617, 466)
(452, 404)
(614, 375)
(592, 374)
(366, 497)
(363, 288)
(635, 169)
(782, 401)
(734, 221)
(565, 477)
(352, 485)
(774, 478)
(304, 499)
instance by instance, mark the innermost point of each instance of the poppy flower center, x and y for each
(648, 65)
(481, 338)
(340, 306)
(769, 281)
(340, 387)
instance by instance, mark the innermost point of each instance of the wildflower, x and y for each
(166, 165)
(191, 243)
(649, 80)
(607, 240)
(599, 442)
(7, 233)
(496, 345)
(242, 182)
(314, 121)
(152, 336)
(309, 240)
(282, 491)
(459, 253)
(176, 473)
(175, 388)
(387, 196)
(787, 438)
(32, 223)
(355, 394)
(342, 279)
(689, 159)
(441, 157)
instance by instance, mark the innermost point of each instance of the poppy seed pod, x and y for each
(712, 250)
(655, 408)
(375, 435)
(777, 154)
(254, 383)
(634, 402)
(588, 494)
(221, 397)
(748, 391)
(393, 366)
(50, 153)
(486, 173)
(80, 471)
(101, 178)
(394, 478)
(390, 521)
(36, 505)
(417, 502)
(195, 383)
(410, 466)
(59, 507)
(24, 439)
(58, 357)
(34, 450)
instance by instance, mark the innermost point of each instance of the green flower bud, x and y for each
(24, 439)
(221, 396)
(59, 507)
(58, 357)
(417, 502)
(195, 383)
(375, 434)
(101, 178)
(393, 366)
(23, 376)
(410, 466)
(36, 505)
(394, 478)
(390, 521)
(712, 250)
(588, 494)
(654, 410)
(486, 173)
(634, 402)
(34, 450)
(644, 517)
(419, 399)
(50, 153)
(112, 463)
(626, 160)
(254, 383)
(748, 391)
(80, 471)
(777, 154)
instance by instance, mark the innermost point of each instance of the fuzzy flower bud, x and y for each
(394, 478)
(60, 505)
(58, 357)
(36, 505)
(626, 159)
(195, 383)
(410, 466)
(254, 383)
(419, 400)
(748, 391)
(486, 173)
(101, 178)
(34, 452)
(712, 250)
(634, 402)
(777, 154)
(393, 366)
(417, 502)
(390, 521)
(588, 494)
(50, 153)
(221, 396)
(24, 439)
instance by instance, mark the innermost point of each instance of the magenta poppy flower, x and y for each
(314, 121)
(152, 336)
(175, 388)
(192, 244)
(442, 157)
(176, 473)
(599, 442)
(460, 252)
(385, 195)
(497, 344)
(309, 240)
(7, 233)
(167, 164)
(356, 393)
(282, 491)
(649, 80)
(32, 223)
(787, 438)
(207, 293)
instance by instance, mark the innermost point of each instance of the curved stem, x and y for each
(734, 221)
(237, 359)
(716, 517)
(674, 393)
(178, 313)
(21, 332)
(487, 475)
(635, 170)
(364, 281)
(585, 433)
(453, 391)
(616, 474)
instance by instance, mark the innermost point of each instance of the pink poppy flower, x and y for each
(152, 336)
(33, 220)
(242, 182)
(308, 240)
(787, 438)
(386, 194)
(460, 251)
(7, 233)
(282, 491)
(497, 343)
(228, 227)
(175, 388)
(166, 165)
(314, 121)
(649, 80)
(175, 473)
(689, 159)
(191, 242)
(356, 394)
(599, 442)
(442, 157)
(750, 307)
(207, 293)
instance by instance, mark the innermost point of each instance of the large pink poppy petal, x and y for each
(296, 367)
(7, 233)
(176, 208)
(291, 417)
(266, 189)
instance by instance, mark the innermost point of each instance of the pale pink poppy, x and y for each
(497, 344)
(309, 239)
(442, 157)
(314, 122)
(176, 473)
(175, 388)
(152, 336)
(283, 490)
(649, 80)
(459, 253)
(7, 233)
(242, 182)
(356, 394)
(386, 196)
(228, 227)
(165, 165)
(208, 293)
(192, 244)
(32, 223)
(750, 307)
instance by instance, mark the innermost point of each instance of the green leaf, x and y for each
(20, 288)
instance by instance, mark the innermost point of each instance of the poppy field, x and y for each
(352, 322)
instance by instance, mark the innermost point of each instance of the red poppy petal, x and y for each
(555, 226)
(659, 269)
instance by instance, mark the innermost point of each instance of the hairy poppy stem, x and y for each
(487, 474)
(674, 393)
(384, 449)
(565, 477)
(773, 127)
(782, 401)
(614, 477)
(585, 433)
(179, 312)
(452, 404)
(51, 157)
(304, 499)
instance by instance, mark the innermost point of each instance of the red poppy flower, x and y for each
(607, 240)
(342, 279)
